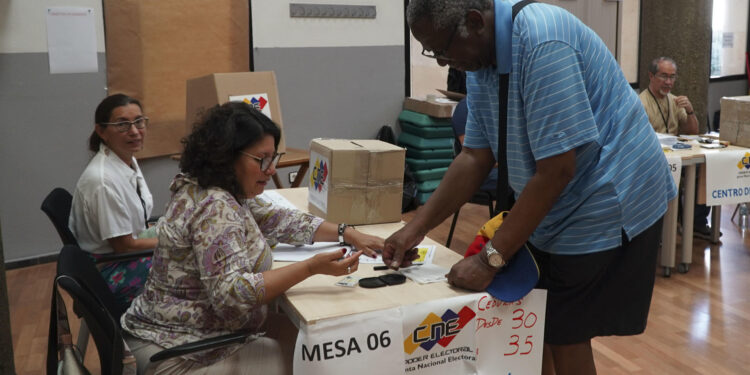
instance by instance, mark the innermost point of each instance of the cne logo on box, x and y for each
(319, 175)
(438, 330)
(257, 103)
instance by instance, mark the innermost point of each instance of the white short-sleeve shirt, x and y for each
(106, 203)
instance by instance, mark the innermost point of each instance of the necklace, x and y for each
(669, 112)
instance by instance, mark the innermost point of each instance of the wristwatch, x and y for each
(493, 256)
(342, 228)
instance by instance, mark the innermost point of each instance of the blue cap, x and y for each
(517, 278)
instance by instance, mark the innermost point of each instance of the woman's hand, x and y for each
(370, 245)
(332, 263)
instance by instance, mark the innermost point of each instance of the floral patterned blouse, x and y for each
(206, 276)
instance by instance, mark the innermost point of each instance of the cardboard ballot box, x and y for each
(735, 120)
(255, 88)
(435, 107)
(356, 181)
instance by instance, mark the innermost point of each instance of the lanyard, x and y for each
(669, 112)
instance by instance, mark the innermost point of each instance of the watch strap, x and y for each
(342, 229)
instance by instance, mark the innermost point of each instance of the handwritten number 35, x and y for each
(516, 347)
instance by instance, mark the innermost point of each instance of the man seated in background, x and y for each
(674, 115)
(667, 113)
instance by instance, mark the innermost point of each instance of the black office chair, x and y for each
(95, 304)
(486, 195)
(57, 207)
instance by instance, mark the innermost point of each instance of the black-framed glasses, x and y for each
(441, 54)
(265, 162)
(123, 126)
(665, 77)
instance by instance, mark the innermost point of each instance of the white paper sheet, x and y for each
(426, 273)
(71, 40)
(277, 199)
(290, 253)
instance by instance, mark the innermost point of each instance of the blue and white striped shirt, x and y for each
(567, 92)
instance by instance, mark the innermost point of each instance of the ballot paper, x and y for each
(426, 273)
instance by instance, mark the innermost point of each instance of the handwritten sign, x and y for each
(468, 334)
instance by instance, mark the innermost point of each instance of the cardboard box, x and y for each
(735, 120)
(256, 88)
(435, 107)
(356, 181)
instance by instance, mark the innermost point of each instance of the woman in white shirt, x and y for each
(111, 202)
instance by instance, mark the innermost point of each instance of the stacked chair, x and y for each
(429, 149)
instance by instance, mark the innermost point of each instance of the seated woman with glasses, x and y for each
(111, 202)
(212, 268)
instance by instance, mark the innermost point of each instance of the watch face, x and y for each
(495, 259)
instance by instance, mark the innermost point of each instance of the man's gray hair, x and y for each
(654, 66)
(444, 13)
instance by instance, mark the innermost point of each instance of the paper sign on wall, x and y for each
(71, 40)
(259, 101)
(320, 177)
(727, 177)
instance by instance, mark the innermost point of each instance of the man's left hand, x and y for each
(471, 273)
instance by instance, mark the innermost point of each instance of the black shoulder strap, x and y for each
(518, 6)
(505, 196)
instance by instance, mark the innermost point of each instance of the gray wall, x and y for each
(341, 92)
(45, 121)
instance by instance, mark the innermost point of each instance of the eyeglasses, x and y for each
(265, 162)
(123, 126)
(665, 77)
(441, 54)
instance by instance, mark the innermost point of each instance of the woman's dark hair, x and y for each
(104, 112)
(216, 141)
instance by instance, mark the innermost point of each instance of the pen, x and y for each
(383, 268)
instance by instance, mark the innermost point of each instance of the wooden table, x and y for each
(293, 157)
(690, 159)
(318, 298)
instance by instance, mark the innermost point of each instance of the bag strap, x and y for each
(504, 194)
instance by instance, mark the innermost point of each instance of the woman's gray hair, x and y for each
(444, 13)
